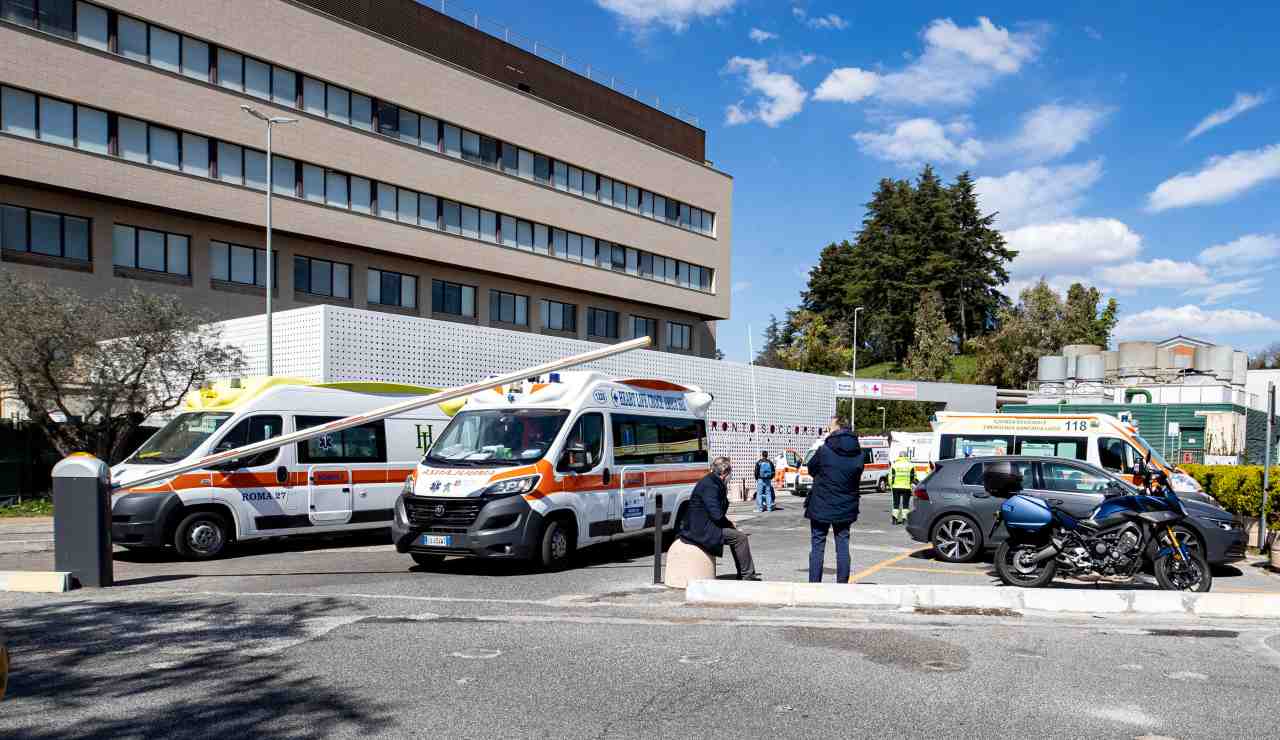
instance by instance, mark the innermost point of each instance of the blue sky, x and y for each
(1136, 147)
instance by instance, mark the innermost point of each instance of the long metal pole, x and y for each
(1266, 467)
(381, 413)
(270, 186)
(853, 396)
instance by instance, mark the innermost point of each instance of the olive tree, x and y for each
(90, 370)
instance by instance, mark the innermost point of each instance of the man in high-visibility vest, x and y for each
(901, 477)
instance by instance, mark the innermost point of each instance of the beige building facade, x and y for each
(432, 170)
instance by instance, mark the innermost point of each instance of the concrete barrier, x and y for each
(52, 582)
(686, 563)
(1066, 601)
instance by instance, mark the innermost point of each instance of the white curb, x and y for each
(50, 582)
(1019, 600)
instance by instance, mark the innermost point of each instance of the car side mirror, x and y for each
(576, 458)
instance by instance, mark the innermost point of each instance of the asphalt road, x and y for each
(342, 638)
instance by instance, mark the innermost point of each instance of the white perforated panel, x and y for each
(332, 343)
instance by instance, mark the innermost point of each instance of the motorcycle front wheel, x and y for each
(1015, 567)
(1179, 574)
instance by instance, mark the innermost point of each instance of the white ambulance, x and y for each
(539, 469)
(1100, 439)
(918, 446)
(347, 480)
(875, 467)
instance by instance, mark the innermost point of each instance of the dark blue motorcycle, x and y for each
(1125, 531)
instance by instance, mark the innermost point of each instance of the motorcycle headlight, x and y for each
(407, 489)
(511, 487)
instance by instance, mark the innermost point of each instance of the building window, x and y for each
(146, 249)
(558, 316)
(321, 277)
(602, 323)
(508, 308)
(233, 263)
(42, 232)
(392, 289)
(453, 299)
(642, 327)
(91, 26)
(679, 336)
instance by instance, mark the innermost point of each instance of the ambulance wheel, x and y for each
(201, 536)
(426, 559)
(556, 546)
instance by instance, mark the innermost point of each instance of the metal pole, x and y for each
(386, 411)
(1266, 467)
(657, 539)
(270, 185)
(883, 414)
(755, 402)
(853, 396)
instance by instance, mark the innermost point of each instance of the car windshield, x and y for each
(503, 437)
(1156, 457)
(178, 439)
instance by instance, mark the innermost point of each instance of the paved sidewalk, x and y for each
(26, 534)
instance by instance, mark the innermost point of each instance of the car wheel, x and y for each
(426, 559)
(202, 535)
(956, 539)
(557, 546)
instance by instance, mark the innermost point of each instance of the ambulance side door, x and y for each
(252, 485)
(592, 493)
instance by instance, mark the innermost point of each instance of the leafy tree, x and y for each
(1267, 358)
(979, 256)
(104, 364)
(1041, 324)
(776, 336)
(815, 346)
(930, 356)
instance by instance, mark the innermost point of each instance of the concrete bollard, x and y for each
(687, 563)
(82, 520)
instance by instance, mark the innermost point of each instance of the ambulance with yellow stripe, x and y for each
(344, 481)
(1100, 439)
(539, 469)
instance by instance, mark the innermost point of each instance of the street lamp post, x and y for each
(882, 417)
(270, 121)
(853, 397)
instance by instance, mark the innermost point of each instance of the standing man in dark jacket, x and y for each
(832, 503)
(707, 525)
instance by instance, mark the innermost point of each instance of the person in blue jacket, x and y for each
(832, 504)
(706, 522)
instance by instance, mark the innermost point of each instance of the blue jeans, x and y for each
(818, 550)
(764, 495)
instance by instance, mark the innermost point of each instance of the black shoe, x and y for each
(750, 577)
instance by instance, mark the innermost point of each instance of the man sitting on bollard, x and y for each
(707, 525)
(832, 503)
(764, 482)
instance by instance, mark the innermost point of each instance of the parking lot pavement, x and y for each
(26, 534)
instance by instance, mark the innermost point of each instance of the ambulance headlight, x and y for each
(511, 487)
(407, 489)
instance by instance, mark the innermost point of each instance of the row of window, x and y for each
(38, 116)
(43, 232)
(143, 42)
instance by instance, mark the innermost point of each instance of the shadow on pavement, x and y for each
(123, 663)
(297, 543)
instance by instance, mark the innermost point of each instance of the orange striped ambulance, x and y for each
(539, 469)
(344, 481)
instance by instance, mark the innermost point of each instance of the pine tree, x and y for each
(930, 356)
(979, 259)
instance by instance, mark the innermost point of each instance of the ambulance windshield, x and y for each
(502, 437)
(178, 438)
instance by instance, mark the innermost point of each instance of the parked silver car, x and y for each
(952, 510)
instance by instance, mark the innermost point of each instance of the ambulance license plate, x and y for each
(436, 540)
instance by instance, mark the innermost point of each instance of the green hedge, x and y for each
(1239, 488)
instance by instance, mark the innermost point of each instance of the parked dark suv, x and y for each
(951, 510)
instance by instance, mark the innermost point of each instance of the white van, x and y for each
(347, 480)
(1100, 439)
(539, 469)
(875, 468)
(919, 447)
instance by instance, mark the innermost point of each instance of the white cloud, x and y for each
(779, 95)
(847, 85)
(1157, 273)
(1166, 321)
(674, 14)
(1053, 130)
(1249, 253)
(740, 286)
(1050, 248)
(760, 36)
(920, 140)
(1038, 194)
(828, 22)
(1219, 292)
(1243, 103)
(1222, 178)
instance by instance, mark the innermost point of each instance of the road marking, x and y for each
(885, 563)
